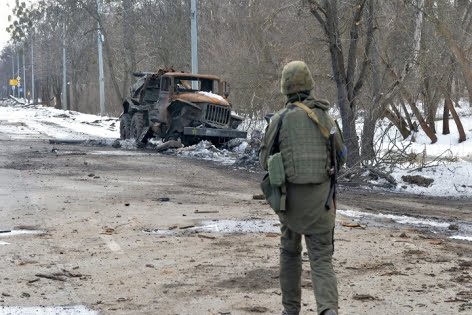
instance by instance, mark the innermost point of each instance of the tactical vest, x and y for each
(304, 149)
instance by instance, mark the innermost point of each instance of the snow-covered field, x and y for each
(447, 162)
(46, 122)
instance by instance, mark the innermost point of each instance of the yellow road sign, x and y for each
(13, 82)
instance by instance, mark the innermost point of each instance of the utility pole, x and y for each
(32, 67)
(194, 34)
(24, 73)
(101, 76)
(13, 71)
(18, 73)
(64, 70)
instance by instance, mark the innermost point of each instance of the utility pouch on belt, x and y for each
(273, 194)
(276, 170)
(273, 184)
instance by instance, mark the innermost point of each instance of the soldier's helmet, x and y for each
(296, 77)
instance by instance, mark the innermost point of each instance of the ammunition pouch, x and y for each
(276, 169)
(273, 184)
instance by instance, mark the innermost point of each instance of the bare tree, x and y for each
(348, 76)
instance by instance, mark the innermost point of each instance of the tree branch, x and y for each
(315, 8)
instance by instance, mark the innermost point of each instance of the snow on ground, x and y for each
(463, 230)
(46, 122)
(225, 227)
(207, 151)
(447, 162)
(454, 179)
(448, 144)
(49, 310)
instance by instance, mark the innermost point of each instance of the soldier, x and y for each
(301, 139)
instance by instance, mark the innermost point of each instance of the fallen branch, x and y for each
(206, 211)
(383, 175)
(59, 276)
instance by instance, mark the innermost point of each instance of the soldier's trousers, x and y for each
(320, 251)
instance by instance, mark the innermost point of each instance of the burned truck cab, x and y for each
(186, 107)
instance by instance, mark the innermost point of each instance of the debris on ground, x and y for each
(206, 211)
(352, 225)
(364, 297)
(59, 276)
(418, 180)
(258, 197)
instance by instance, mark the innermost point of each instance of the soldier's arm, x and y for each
(268, 141)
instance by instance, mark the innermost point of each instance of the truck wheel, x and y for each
(125, 123)
(137, 125)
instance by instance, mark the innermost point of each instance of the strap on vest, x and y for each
(276, 145)
(283, 197)
(274, 149)
(314, 117)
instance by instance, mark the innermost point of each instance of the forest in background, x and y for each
(373, 59)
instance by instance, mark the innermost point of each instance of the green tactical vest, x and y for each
(304, 149)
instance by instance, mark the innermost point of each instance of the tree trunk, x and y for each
(407, 116)
(398, 122)
(448, 99)
(459, 54)
(407, 95)
(402, 124)
(372, 115)
(428, 104)
(57, 92)
(457, 120)
(347, 89)
(446, 130)
(449, 106)
(420, 118)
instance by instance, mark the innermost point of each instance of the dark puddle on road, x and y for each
(459, 230)
(46, 310)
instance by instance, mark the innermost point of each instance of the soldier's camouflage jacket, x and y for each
(306, 161)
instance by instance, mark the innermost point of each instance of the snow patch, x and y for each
(241, 226)
(463, 238)
(227, 227)
(49, 122)
(402, 219)
(207, 151)
(46, 310)
(22, 232)
(213, 95)
(452, 179)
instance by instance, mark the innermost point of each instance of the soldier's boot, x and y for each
(329, 312)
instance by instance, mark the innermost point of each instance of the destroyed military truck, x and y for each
(181, 106)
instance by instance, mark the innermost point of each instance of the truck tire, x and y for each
(137, 125)
(125, 124)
